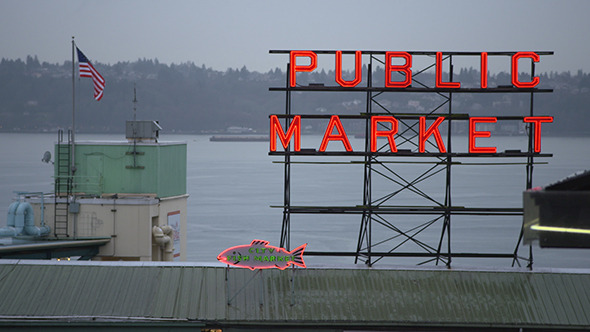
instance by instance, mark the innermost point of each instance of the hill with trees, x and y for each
(187, 98)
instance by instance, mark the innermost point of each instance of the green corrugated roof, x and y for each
(331, 297)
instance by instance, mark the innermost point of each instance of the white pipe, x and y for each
(12, 215)
(25, 216)
(7, 231)
(163, 237)
(25, 219)
(10, 229)
(169, 247)
(21, 221)
(159, 236)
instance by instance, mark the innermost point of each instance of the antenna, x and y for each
(134, 103)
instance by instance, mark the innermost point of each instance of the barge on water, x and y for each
(238, 138)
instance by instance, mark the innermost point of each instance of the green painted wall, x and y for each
(110, 168)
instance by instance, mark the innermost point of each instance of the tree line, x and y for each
(185, 98)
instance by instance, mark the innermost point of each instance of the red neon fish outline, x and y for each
(241, 256)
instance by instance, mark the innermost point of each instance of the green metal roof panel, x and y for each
(361, 297)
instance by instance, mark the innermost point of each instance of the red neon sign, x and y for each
(387, 126)
(329, 136)
(385, 133)
(294, 68)
(535, 57)
(406, 69)
(473, 134)
(391, 130)
(484, 70)
(358, 75)
(432, 130)
(259, 255)
(537, 120)
(439, 81)
(277, 129)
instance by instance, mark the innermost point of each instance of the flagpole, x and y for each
(73, 166)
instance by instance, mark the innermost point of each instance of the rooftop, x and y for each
(214, 296)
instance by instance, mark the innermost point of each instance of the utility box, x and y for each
(142, 130)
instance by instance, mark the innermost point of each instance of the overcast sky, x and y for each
(223, 33)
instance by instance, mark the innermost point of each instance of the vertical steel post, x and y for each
(286, 227)
(529, 174)
(446, 229)
(73, 148)
(367, 196)
(530, 161)
(448, 201)
(227, 300)
(365, 229)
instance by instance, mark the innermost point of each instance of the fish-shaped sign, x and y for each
(259, 255)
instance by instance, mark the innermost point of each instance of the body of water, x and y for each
(232, 186)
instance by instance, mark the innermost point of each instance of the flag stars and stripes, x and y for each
(88, 70)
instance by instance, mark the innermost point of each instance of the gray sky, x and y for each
(228, 33)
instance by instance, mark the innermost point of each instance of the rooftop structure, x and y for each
(113, 200)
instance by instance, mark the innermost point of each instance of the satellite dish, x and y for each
(46, 157)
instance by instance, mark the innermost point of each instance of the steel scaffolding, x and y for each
(381, 210)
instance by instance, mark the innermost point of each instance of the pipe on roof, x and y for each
(7, 231)
(163, 237)
(12, 214)
(21, 221)
(169, 247)
(10, 230)
(26, 216)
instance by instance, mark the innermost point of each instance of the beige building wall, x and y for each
(128, 221)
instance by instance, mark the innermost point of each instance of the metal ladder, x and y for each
(63, 184)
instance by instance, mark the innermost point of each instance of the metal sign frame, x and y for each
(374, 211)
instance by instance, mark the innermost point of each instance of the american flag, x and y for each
(87, 70)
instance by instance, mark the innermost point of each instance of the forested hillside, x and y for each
(187, 98)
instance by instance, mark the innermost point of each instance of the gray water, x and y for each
(232, 186)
